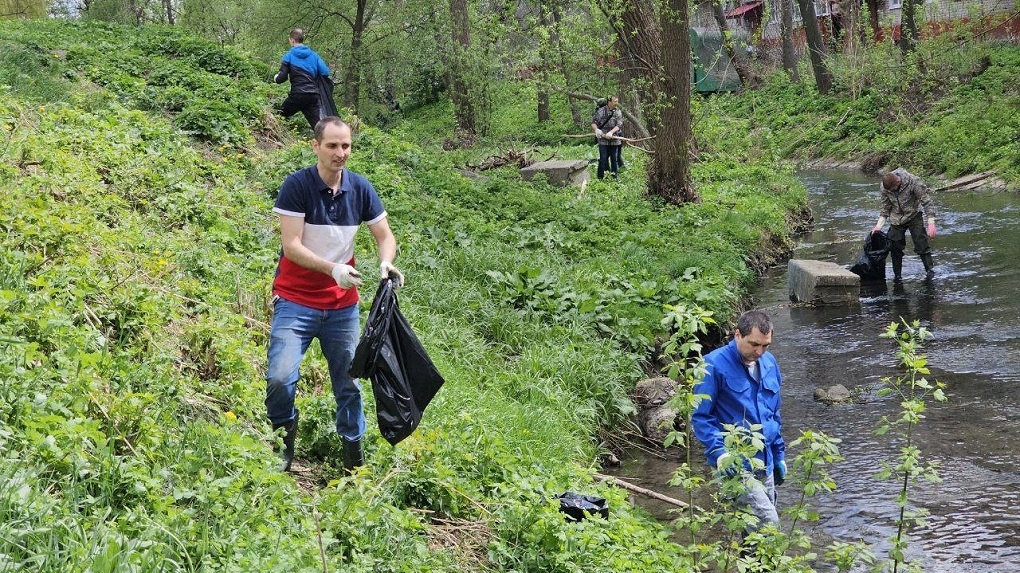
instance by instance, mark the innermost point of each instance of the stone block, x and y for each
(560, 173)
(823, 283)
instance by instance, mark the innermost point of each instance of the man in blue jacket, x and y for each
(742, 383)
(303, 67)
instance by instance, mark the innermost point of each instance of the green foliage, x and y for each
(156, 68)
(912, 388)
(134, 270)
(949, 107)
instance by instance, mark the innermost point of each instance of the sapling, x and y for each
(914, 389)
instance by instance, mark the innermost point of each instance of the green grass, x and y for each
(135, 264)
(929, 111)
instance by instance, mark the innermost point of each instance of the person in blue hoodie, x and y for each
(303, 67)
(742, 384)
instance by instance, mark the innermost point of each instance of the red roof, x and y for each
(742, 9)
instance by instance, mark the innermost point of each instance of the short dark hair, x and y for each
(753, 319)
(320, 127)
(298, 35)
(890, 180)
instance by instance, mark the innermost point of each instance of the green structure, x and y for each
(711, 68)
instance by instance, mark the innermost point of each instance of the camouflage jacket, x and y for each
(901, 205)
(605, 120)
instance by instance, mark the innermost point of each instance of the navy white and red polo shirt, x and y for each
(330, 226)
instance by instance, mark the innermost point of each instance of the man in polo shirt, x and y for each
(316, 285)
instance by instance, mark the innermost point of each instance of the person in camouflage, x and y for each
(905, 203)
(605, 126)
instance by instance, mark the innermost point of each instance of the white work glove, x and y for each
(598, 133)
(724, 465)
(346, 276)
(388, 270)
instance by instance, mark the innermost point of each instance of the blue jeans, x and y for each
(294, 327)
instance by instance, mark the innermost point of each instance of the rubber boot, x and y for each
(897, 268)
(929, 265)
(289, 439)
(353, 455)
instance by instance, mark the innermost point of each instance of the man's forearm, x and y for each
(302, 256)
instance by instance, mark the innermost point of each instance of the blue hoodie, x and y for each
(302, 65)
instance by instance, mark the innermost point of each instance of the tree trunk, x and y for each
(557, 39)
(853, 26)
(816, 46)
(137, 11)
(786, 37)
(544, 55)
(739, 63)
(642, 38)
(670, 171)
(908, 25)
(352, 76)
(876, 27)
(461, 30)
(168, 5)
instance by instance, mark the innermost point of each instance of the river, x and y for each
(972, 306)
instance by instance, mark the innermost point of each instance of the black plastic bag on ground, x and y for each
(870, 265)
(578, 506)
(404, 380)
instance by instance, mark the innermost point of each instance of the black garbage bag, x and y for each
(870, 265)
(577, 506)
(327, 107)
(404, 380)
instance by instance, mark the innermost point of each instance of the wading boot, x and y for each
(354, 457)
(897, 268)
(289, 438)
(929, 265)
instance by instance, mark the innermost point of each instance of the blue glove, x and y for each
(779, 473)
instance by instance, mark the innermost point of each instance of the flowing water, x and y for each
(972, 306)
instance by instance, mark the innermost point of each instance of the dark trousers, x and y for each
(618, 150)
(898, 237)
(307, 104)
(607, 160)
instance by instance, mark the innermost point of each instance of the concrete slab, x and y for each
(822, 282)
(561, 173)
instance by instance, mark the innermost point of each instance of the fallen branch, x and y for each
(510, 157)
(966, 182)
(626, 139)
(648, 151)
(636, 489)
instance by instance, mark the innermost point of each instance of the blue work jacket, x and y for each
(736, 398)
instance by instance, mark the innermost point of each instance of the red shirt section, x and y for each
(312, 288)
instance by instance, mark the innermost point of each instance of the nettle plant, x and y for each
(913, 389)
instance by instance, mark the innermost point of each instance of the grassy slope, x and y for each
(135, 264)
(943, 111)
